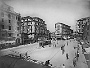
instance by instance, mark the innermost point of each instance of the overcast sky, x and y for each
(53, 11)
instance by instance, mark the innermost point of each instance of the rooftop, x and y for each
(63, 24)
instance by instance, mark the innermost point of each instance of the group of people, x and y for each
(75, 59)
(63, 49)
(76, 55)
(54, 42)
(25, 56)
(47, 63)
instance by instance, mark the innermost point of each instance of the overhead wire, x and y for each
(55, 54)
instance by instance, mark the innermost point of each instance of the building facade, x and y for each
(9, 23)
(86, 31)
(62, 30)
(34, 27)
(27, 29)
(40, 27)
(82, 27)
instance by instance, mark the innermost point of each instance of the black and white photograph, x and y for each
(44, 33)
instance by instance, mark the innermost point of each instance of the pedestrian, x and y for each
(55, 44)
(67, 56)
(20, 55)
(78, 47)
(77, 55)
(26, 55)
(67, 43)
(83, 50)
(74, 61)
(47, 63)
(70, 40)
(62, 48)
(63, 66)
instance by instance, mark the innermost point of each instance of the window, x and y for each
(13, 16)
(2, 14)
(2, 20)
(9, 34)
(29, 23)
(9, 21)
(30, 27)
(21, 20)
(79, 26)
(36, 23)
(29, 19)
(87, 27)
(16, 17)
(9, 16)
(8, 8)
(9, 27)
(29, 31)
(36, 19)
(87, 33)
(17, 34)
(2, 26)
(17, 28)
(25, 19)
(85, 37)
(3, 35)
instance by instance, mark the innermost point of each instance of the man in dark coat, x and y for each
(47, 63)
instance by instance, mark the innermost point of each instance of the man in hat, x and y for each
(47, 63)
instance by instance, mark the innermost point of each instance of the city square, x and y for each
(44, 34)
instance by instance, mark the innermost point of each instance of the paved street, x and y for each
(20, 49)
(54, 54)
(11, 62)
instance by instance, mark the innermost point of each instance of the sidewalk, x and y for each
(10, 62)
(10, 50)
(21, 46)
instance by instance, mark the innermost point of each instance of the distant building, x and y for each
(86, 31)
(27, 28)
(82, 27)
(53, 35)
(79, 27)
(34, 27)
(9, 23)
(48, 35)
(41, 28)
(62, 30)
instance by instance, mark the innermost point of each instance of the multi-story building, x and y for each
(48, 34)
(27, 29)
(9, 23)
(62, 30)
(33, 27)
(86, 31)
(86, 37)
(40, 26)
(81, 27)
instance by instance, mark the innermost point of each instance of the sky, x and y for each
(53, 11)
